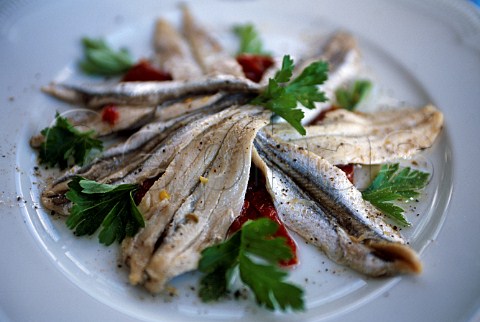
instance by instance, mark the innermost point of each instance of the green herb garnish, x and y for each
(250, 42)
(64, 144)
(100, 59)
(391, 184)
(349, 98)
(254, 254)
(282, 95)
(107, 206)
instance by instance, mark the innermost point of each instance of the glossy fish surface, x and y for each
(345, 137)
(148, 93)
(316, 200)
(196, 214)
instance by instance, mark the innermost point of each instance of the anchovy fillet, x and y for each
(344, 62)
(316, 200)
(207, 155)
(170, 110)
(215, 204)
(207, 51)
(329, 186)
(127, 118)
(342, 54)
(351, 137)
(173, 54)
(148, 93)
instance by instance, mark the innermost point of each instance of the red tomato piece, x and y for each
(143, 71)
(254, 66)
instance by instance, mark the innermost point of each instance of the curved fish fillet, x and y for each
(342, 54)
(173, 54)
(330, 187)
(187, 105)
(351, 137)
(148, 93)
(180, 181)
(214, 204)
(316, 200)
(207, 51)
(87, 120)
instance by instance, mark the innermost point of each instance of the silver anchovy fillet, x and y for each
(330, 187)
(315, 199)
(196, 214)
(148, 93)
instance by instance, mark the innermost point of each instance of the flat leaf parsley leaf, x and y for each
(102, 60)
(281, 96)
(250, 42)
(64, 144)
(254, 254)
(349, 98)
(110, 207)
(394, 183)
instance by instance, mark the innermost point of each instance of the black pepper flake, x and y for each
(237, 294)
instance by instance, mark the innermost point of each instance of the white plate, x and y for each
(422, 52)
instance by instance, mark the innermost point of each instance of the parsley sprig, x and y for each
(110, 207)
(282, 94)
(100, 59)
(254, 254)
(350, 98)
(250, 41)
(64, 144)
(391, 184)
